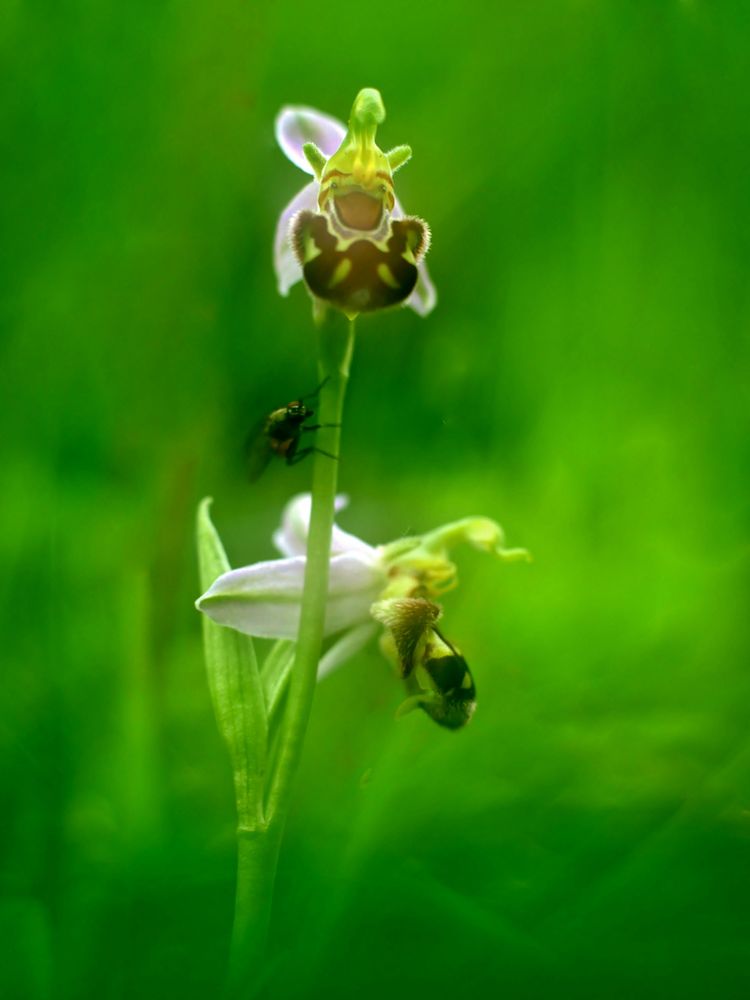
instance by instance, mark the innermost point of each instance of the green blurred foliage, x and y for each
(584, 167)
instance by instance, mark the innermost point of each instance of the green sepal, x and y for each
(235, 685)
(315, 158)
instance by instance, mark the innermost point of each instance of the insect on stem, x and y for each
(280, 432)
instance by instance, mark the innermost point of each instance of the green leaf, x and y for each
(275, 675)
(235, 685)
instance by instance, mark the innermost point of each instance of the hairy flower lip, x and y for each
(295, 125)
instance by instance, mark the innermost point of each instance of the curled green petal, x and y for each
(480, 532)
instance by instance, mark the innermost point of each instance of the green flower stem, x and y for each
(257, 857)
(336, 346)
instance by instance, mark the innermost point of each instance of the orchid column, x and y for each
(347, 236)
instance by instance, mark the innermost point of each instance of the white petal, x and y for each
(296, 125)
(424, 297)
(291, 538)
(345, 648)
(286, 265)
(342, 541)
(263, 600)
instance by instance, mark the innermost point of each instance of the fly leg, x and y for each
(299, 455)
(312, 395)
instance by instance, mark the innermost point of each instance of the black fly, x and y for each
(280, 433)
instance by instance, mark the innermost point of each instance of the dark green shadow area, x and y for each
(584, 380)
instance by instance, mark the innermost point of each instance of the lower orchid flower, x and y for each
(345, 233)
(393, 584)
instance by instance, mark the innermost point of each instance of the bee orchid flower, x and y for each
(395, 584)
(345, 232)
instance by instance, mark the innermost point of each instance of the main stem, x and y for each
(257, 856)
(258, 845)
(336, 346)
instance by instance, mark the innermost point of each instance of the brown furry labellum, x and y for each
(437, 677)
(359, 274)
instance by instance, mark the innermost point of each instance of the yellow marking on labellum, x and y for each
(386, 276)
(467, 681)
(311, 251)
(342, 270)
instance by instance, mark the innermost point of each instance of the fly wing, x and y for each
(258, 450)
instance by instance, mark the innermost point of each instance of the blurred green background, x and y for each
(584, 167)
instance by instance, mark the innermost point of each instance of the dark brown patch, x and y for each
(362, 290)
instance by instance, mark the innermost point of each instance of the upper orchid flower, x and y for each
(394, 584)
(346, 232)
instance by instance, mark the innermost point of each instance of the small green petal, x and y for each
(398, 156)
(315, 158)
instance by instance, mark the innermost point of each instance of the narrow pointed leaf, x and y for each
(234, 682)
